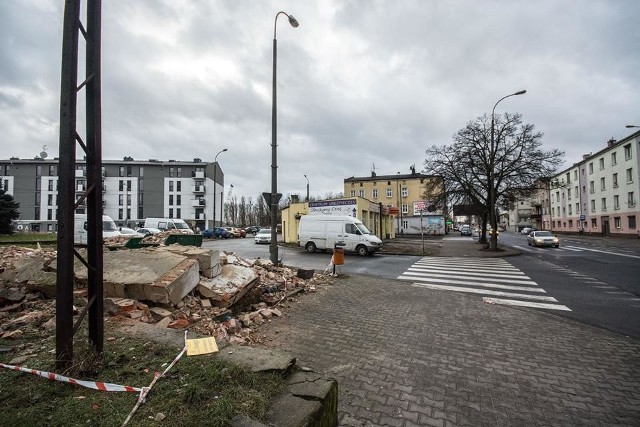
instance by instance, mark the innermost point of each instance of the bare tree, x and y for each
(471, 169)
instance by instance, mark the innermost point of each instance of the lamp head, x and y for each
(520, 92)
(632, 126)
(226, 149)
(293, 21)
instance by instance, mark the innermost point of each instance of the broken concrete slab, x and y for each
(258, 360)
(229, 286)
(208, 260)
(146, 274)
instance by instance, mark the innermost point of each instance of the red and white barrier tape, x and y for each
(96, 385)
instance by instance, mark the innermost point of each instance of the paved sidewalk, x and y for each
(407, 356)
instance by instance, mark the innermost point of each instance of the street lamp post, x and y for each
(493, 241)
(307, 187)
(215, 169)
(273, 246)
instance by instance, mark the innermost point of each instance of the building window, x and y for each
(52, 170)
(361, 193)
(170, 213)
(120, 185)
(569, 193)
(389, 193)
(570, 223)
(178, 200)
(593, 206)
(617, 222)
(603, 203)
(121, 171)
(632, 221)
(120, 213)
(616, 202)
(405, 192)
(615, 180)
(592, 187)
(614, 160)
(631, 201)
(50, 185)
(353, 193)
(577, 207)
(120, 200)
(629, 175)
(601, 161)
(172, 172)
(627, 151)
(170, 199)
(178, 213)
(179, 175)
(570, 213)
(38, 170)
(575, 175)
(591, 168)
(374, 193)
(594, 223)
(170, 185)
(602, 184)
(568, 175)
(50, 200)
(179, 185)
(405, 210)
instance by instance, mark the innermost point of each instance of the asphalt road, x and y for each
(597, 279)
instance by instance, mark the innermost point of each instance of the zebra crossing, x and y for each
(497, 281)
(618, 252)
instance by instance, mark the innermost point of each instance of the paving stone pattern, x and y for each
(407, 356)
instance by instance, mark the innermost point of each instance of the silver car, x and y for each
(542, 238)
(263, 236)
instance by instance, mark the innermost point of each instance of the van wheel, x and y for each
(310, 247)
(362, 250)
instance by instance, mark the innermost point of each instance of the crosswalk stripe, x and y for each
(524, 281)
(483, 285)
(502, 301)
(485, 292)
(495, 279)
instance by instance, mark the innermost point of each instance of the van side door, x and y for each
(352, 236)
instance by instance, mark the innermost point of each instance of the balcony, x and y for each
(197, 189)
(80, 173)
(197, 202)
(197, 175)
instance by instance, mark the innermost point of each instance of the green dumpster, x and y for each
(184, 239)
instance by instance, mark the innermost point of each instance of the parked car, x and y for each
(465, 230)
(542, 238)
(252, 229)
(148, 231)
(216, 233)
(233, 232)
(129, 232)
(263, 236)
(242, 232)
(525, 230)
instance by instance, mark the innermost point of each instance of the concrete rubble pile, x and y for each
(184, 287)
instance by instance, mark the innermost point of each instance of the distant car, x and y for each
(263, 236)
(465, 230)
(129, 231)
(542, 238)
(215, 233)
(525, 230)
(252, 229)
(242, 231)
(148, 231)
(233, 232)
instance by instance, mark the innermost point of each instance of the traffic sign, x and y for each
(583, 217)
(267, 198)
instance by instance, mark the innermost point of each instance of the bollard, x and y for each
(338, 255)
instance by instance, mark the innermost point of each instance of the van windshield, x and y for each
(181, 226)
(363, 229)
(108, 225)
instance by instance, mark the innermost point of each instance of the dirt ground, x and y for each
(430, 246)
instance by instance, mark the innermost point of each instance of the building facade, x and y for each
(132, 190)
(599, 194)
(403, 196)
(533, 211)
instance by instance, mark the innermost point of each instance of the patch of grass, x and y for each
(198, 390)
(29, 239)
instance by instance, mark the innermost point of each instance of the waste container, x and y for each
(184, 239)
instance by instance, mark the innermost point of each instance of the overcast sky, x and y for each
(360, 83)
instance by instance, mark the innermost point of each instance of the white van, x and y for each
(325, 231)
(109, 228)
(165, 224)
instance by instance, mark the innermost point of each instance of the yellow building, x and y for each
(405, 197)
(370, 213)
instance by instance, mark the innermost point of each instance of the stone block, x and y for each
(304, 273)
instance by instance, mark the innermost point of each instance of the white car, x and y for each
(542, 238)
(263, 236)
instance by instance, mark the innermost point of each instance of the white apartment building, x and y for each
(600, 193)
(132, 190)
